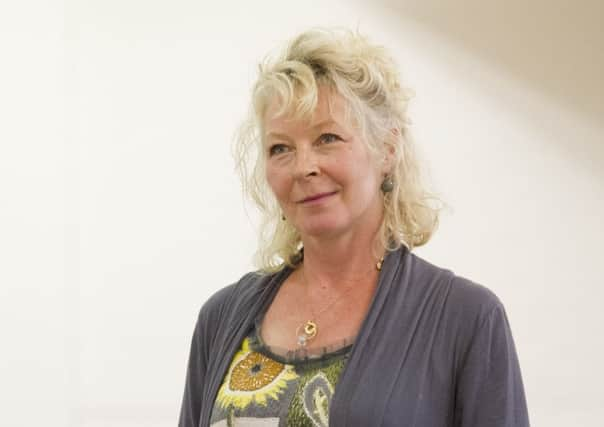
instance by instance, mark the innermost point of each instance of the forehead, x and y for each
(330, 107)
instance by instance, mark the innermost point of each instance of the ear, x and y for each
(392, 139)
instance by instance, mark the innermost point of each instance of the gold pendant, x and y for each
(306, 332)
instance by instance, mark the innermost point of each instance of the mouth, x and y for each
(316, 197)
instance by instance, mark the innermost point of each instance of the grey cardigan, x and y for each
(435, 350)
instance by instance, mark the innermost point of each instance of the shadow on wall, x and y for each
(555, 46)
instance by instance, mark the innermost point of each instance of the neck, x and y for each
(337, 263)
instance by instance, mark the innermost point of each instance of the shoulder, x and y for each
(476, 301)
(467, 314)
(461, 304)
(226, 308)
(233, 295)
(241, 299)
(462, 293)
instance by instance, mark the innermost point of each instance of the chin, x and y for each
(322, 228)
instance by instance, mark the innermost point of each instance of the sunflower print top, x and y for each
(263, 388)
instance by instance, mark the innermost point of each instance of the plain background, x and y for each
(120, 211)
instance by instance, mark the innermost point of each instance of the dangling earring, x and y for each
(387, 184)
(283, 217)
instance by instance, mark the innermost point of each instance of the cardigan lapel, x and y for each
(365, 345)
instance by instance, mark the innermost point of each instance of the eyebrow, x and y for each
(314, 127)
(324, 123)
(277, 136)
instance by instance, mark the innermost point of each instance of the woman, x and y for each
(344, 326)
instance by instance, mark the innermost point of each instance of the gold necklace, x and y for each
(308, 330)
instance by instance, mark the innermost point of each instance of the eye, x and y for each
(328, 138)
(277, 149)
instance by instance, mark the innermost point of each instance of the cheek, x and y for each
(368, 181)
(277, 182)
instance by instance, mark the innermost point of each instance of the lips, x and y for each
(317, 196)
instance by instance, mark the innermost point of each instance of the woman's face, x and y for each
(322, 173)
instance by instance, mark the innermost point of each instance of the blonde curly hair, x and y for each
(367, 78)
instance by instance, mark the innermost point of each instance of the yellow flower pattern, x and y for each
(260, 390)
(253, 377)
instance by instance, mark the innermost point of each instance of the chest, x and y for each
(334, 320)
(413, 393)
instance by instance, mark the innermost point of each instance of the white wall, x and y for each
(120, 212)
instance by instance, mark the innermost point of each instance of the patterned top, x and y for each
(265, 388)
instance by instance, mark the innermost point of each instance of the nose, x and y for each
(306, 163)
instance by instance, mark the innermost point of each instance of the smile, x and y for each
(317, 197)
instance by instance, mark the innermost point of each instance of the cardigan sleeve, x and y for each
(489, 391)
(196, 371)
(200, 370)
(197, 375)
